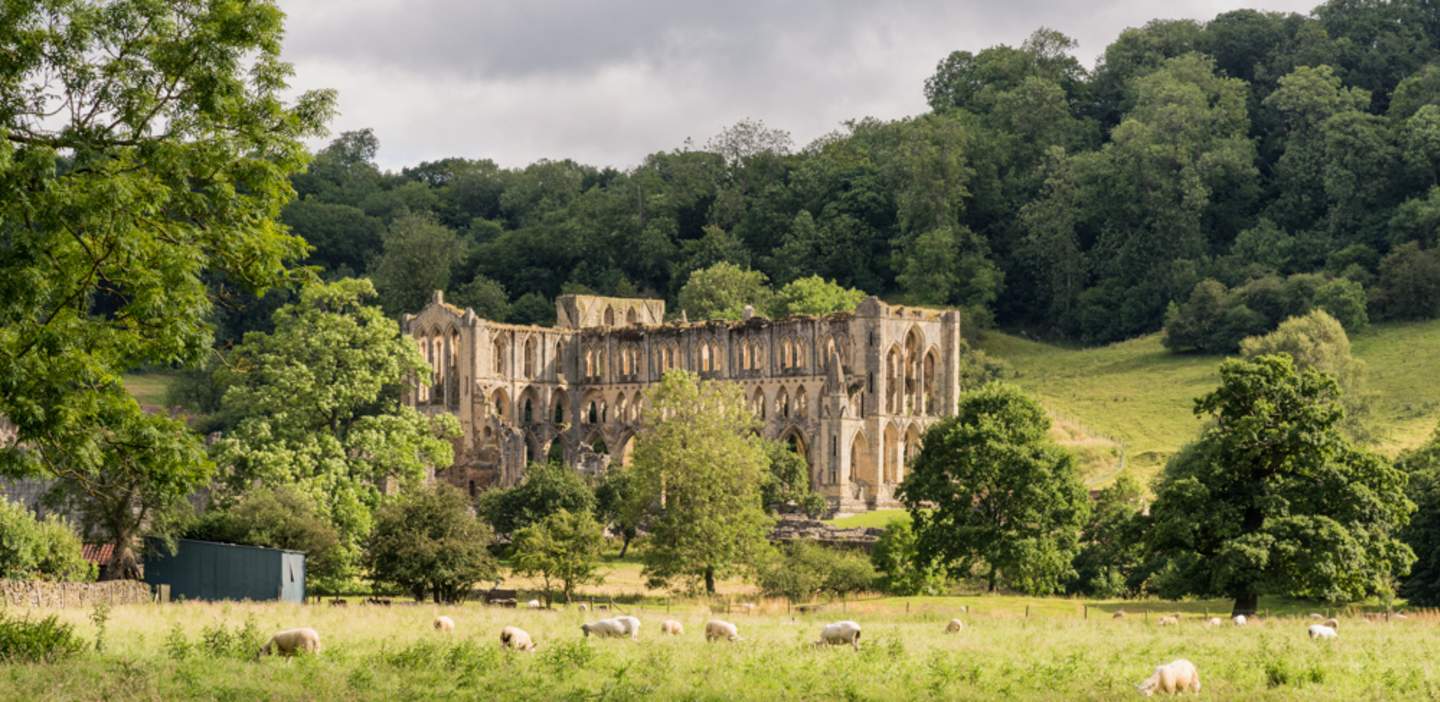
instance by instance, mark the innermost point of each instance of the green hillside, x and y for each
(1134, 398)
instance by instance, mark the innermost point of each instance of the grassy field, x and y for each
(384, 653)
(878, 519)
(150, 388)
(1135, 399)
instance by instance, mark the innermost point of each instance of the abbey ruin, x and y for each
(852, 393)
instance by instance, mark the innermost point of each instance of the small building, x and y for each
(206, 570)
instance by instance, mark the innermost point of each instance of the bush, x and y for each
(564, 547)
(1409, 286)
(39, 549)
(280, 517)
(41, 641)
(546, 489)
(787, 484)
(896, 557)
(803, 570)
(1214, 319)
(427, 542)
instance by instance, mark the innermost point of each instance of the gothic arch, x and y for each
(559, 408)
(862, 462)
(890, 450)
(531, 410)
(500, 404)
(626, 451)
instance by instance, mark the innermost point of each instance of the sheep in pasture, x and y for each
(444, 623)
(1239, 620)
(1172, 678)
(1212, 621)
(843, 632)
(291, 641)
(671, 627)
(1119, 614)
(584, 607)
(533, 604)
(605, 628)
(1170, 620)
(1316, 617)
(720, 629)
(1320, 631)
(1332, 622)
(516, 639)
(631, 624)
(954, 626)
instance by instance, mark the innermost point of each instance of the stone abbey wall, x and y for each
(853, 393)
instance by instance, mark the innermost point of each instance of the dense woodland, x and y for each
(1245, 169)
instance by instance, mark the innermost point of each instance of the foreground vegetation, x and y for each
(393, 653)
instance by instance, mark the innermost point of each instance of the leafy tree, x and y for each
(565, 547)
(616, 506)
(1409, 285)
(801, 570)
(279, 517)
(1315, 341)
(39, 549)
(146, 150)
(419, 257)
(315, 404)
(787, 483)
(722, 291)
(896, 556)
(697, 473)
(547, 488)
(990, 491)
(1422, 465)
(342, 237)
(427, 542)
(1273, 499)
(485, 296)
(1112, 553)
(533, 308)
(814, 296)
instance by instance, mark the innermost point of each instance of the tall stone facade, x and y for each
(852, 393)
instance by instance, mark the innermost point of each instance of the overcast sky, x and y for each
(608, 82)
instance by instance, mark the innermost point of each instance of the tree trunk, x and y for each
(123, 564)
(625, 544)
(1246, 603)
(993, 577)
(709, 580)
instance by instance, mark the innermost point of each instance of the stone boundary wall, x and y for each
(40, 593)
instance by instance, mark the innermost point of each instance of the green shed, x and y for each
(206, 570)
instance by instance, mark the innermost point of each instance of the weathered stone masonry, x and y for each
(853, 393)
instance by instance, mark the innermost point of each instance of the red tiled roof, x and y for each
(99, 554)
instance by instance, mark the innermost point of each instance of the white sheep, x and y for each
(1172, 678)
(631, 624)
(1169, 620)
(1316, 617)
(533, 604)
(721, 629)
(444, 623)
(1212, 621)
(292, 641)
(843, 632)
(605, 628)
(672, 627)
(516, 639)
(1238, 619)
(1320, 631)
(1332, 622)
(584, 607)
(954, 626)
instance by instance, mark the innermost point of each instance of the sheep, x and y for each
(1119, 614)
(1174, 677)
(954, 626)
(671, 627)
(720, 629)
(533, 604)
(748, 607)
(444, 623)
(1170, 620)
(842, 632)
(291, 641)
(631, 624)
(1316, 617)
(516, 639)
(605, 628)
(584, 607)
(1332, 622)
(1320, 631)
(1212, 621)
(1239, 620)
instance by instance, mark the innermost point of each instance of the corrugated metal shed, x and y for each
(206, 570)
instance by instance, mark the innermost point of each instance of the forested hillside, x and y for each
(1267, 163)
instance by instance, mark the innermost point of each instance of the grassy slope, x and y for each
(150, 388)
(1140, 395)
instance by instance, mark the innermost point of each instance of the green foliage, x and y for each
(1215, 319)
(45, 640)
(546, 488)
(896, 556)
(787, 482)
(32, 549)
(698, 473)
(1422, 534)
(485, 296)
(419, 257)
(722, 291)
(279, 517)
(814, 296)
(802, 570)
(1112, 547)
(1409, 285)
(1317, 341)
(991, 491)
(219, 641)
(1273, 499)
(615, 505)
(427, 542)
(563, 547)
(314, 405)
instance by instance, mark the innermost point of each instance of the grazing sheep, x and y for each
(631, 624)
(1320, 631)
(843, 632)
(584, 607)
(1316, 617)
(605, 628)
(720, 629)
(602, 608)
(671, 627)
(1119, 614)
(516, 639)
(1172, 678)
(1239, 620)
(1332, 622)
(1169, 620)
(1212, 621)
(533, 604)
(291, 641)
(954, 626)
(444, 623)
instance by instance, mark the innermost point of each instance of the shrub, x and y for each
(45, 549)
(1214, 319)
(546, 489)
(804, 570)
(427, 542)
(37, 641)
(1409, 286)
(896, 557)
(563, 547)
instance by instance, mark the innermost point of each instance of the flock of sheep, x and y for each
(1171, 678)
